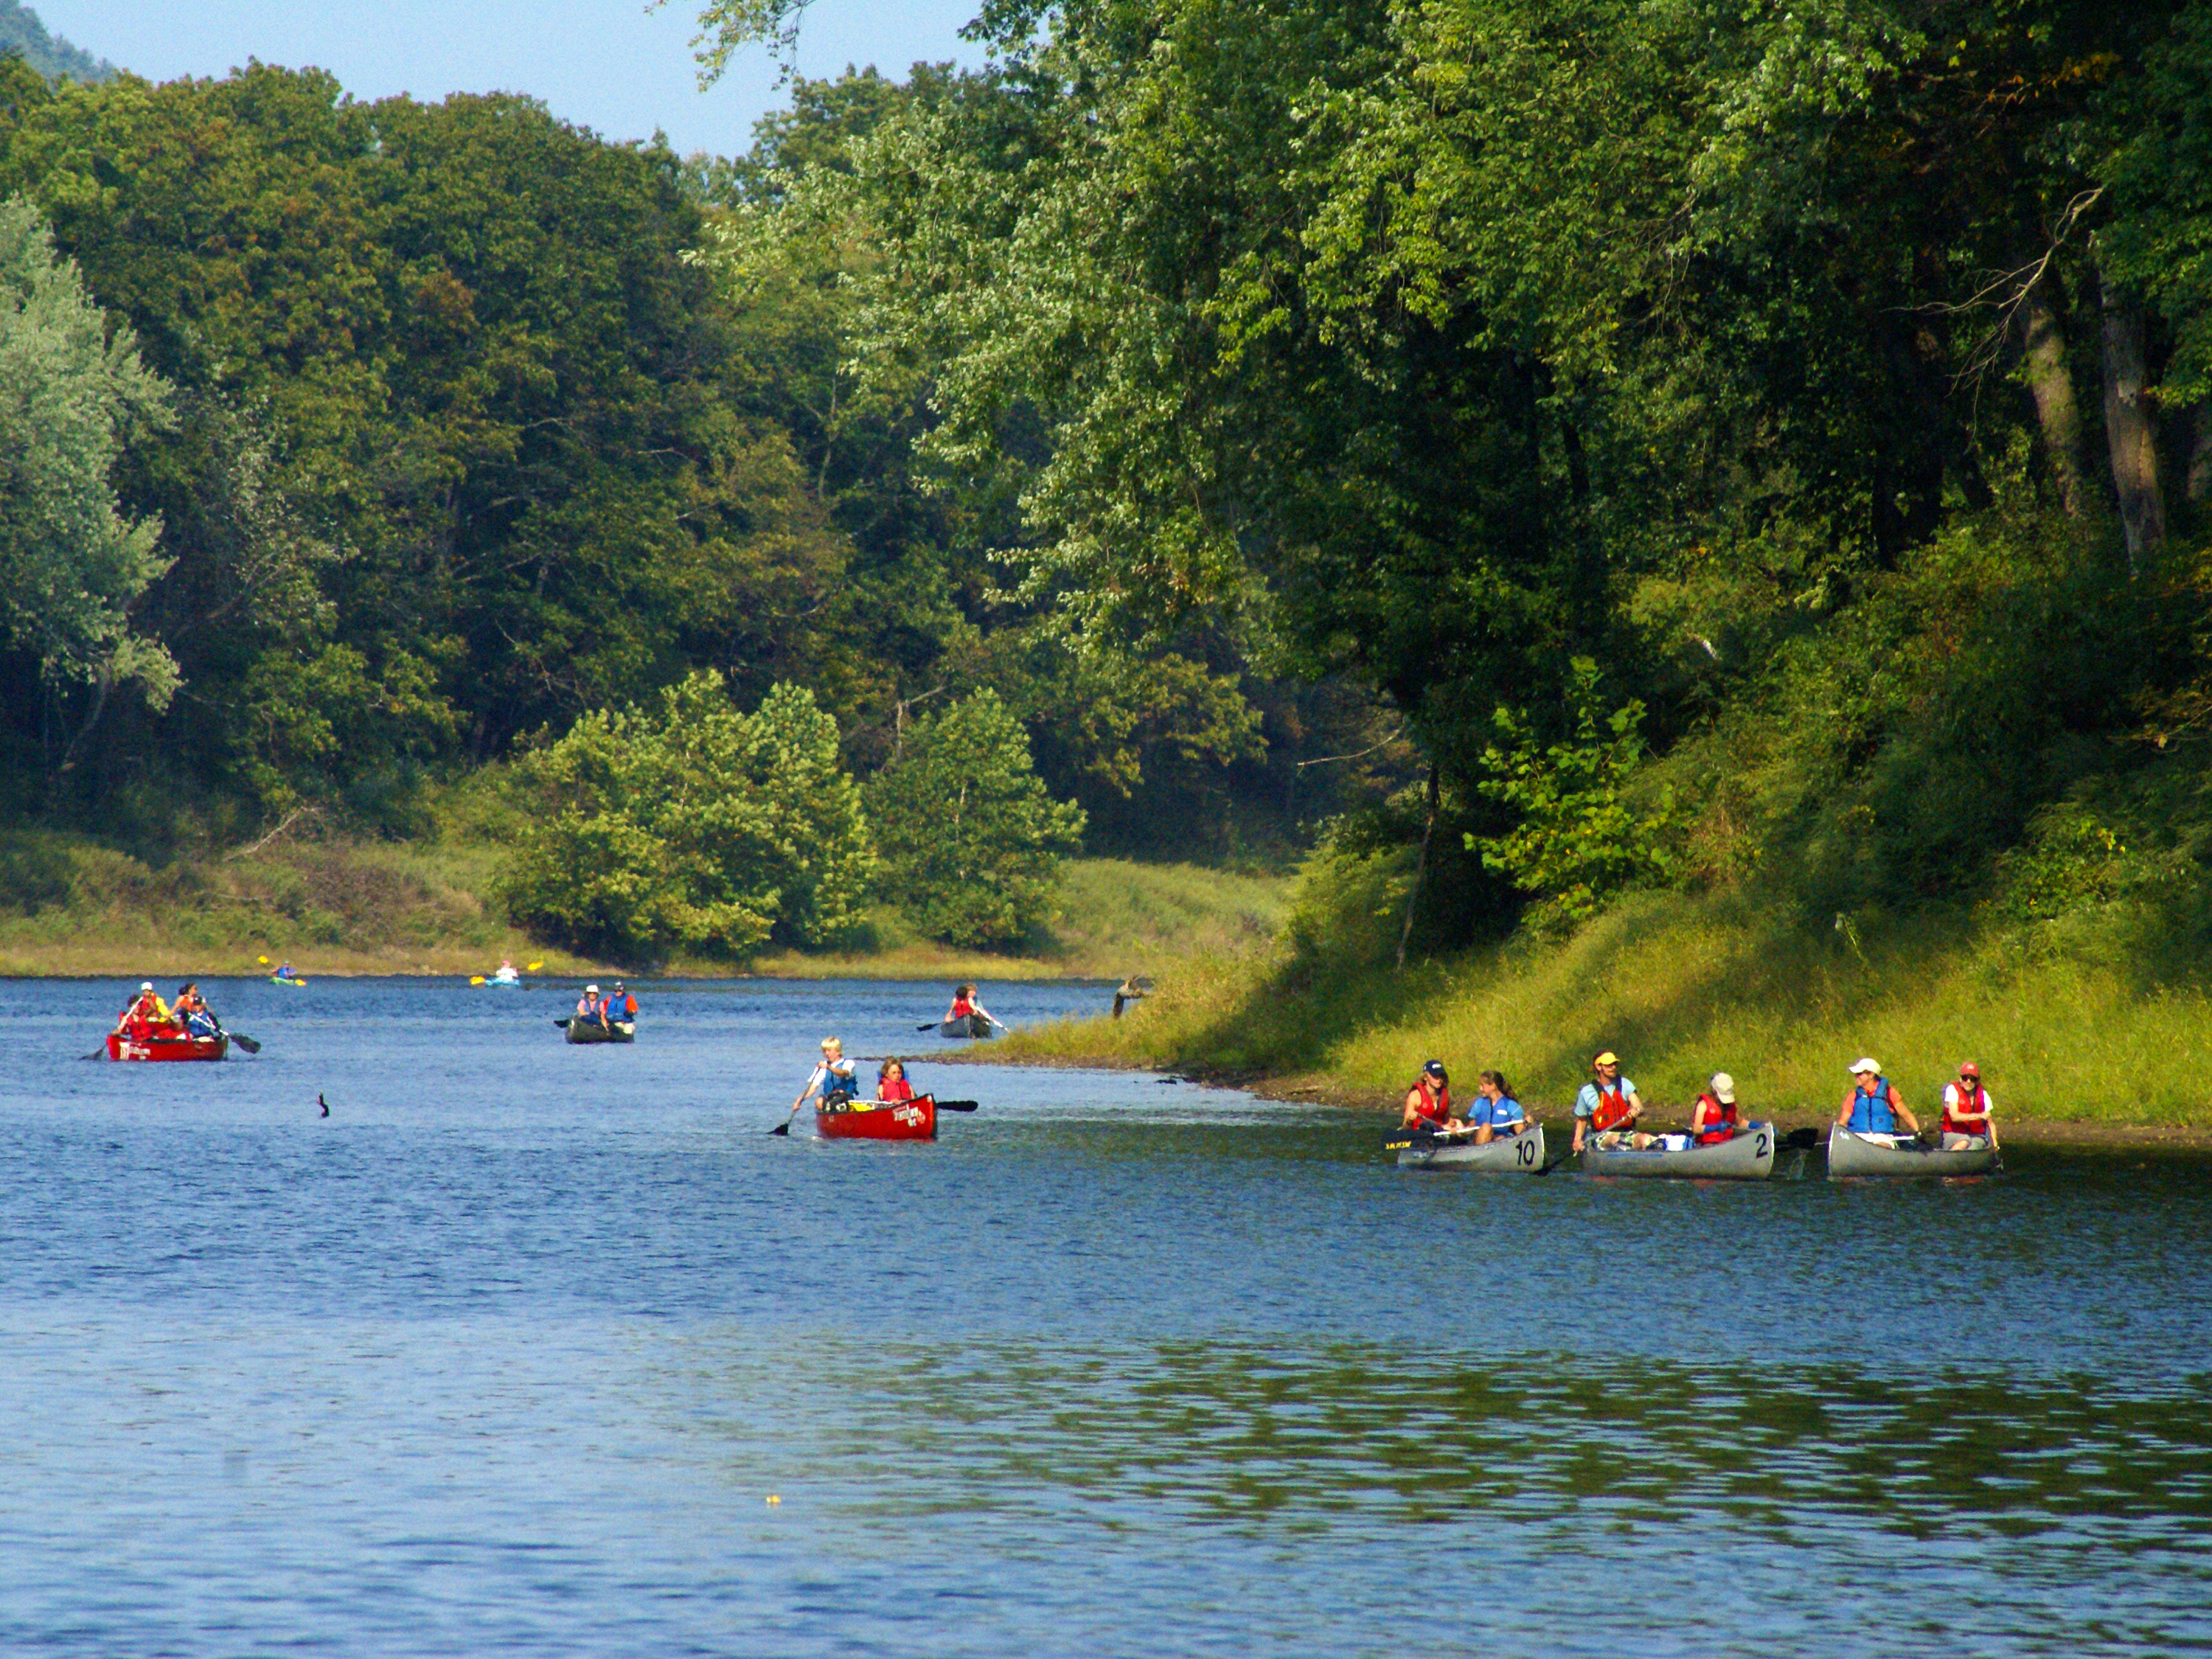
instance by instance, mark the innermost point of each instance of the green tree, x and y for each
(71, 564)
(971, 840)
(694, 826)
(1580, 842)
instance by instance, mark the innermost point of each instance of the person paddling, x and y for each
(833, 1080)
(191, 1008)
(592, 1008)
(890, 1080)
(1966, 1108)
(621, 1006)
(1714, 1119)
(147, 1016)
(1606, 1109)
(1429, 1101)
(965, 1006)
(1496, 1116)
(1873, 1107)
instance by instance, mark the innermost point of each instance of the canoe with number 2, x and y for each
(1746, 1155)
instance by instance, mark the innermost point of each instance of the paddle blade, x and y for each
(246, 1043)
(476, 979)
(931, 1026)
(959, 1105)
(562, 1023)
(1800, 1141)
(264, 961)
(782, 1128)
(534, 966)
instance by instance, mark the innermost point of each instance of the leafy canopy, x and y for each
(692, 825)
(971, 838)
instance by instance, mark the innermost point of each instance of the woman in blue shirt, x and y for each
(1495, 1114)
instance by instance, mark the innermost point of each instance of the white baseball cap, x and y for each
(1724, 1087)
(146, 985)
(1865, 1065)
(590, 990)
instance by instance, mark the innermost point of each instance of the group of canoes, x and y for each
(1874, 1134)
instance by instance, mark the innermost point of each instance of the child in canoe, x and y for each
(890, 1080)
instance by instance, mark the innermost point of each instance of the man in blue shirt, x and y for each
(1608, 1107)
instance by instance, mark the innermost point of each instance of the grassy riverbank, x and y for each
(71, 907)
(2070, 1029)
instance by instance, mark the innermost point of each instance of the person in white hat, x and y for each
(146, 1013)
(1714, 1119)
(1873, 1107)
(590, 1009)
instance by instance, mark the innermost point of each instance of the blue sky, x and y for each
(605, 64)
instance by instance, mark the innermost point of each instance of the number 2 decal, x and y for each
(1761, 1151)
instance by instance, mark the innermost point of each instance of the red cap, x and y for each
(1970, 1070)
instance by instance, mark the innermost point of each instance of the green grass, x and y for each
(1682, 988)
(1116, 918)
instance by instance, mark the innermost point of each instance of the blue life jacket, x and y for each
(839, 1082)
(1871, 1113)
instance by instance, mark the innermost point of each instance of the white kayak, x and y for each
(1521, 1154)
(1748, 1155)
(1851, 1155)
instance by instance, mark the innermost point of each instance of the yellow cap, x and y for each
(1609, 1057)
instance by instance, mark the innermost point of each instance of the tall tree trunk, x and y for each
(2130, 429)
(2050, 382)
(1421, 869)
(2199, 482)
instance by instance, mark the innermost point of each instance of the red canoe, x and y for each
(880, 1120)
(120, 1047)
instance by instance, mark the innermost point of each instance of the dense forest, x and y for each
(1542, 449)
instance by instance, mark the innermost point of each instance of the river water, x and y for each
(512, 1352)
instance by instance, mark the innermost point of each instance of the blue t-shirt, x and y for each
(1586, 1101)
(1504, 1114)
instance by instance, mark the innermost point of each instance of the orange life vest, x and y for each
(1721, 1121)
(1435, 1108)
(1612, 1107)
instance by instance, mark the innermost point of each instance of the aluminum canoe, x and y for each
(975, 1025)
(1521, 1154)
(1748, 1155)
(1852, 1156)
(592, 1031)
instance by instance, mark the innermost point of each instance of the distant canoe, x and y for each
(592, 1031)
(879, 1120)
(1521, 1154)
(1748, 1155)
(1853, 1155)
(975, 1025)
(120, 1047)
(299, 983)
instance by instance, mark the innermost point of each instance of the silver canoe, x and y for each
(593, 1031)
(1748, 1155)
(1521, 1154)
(1850, 1156)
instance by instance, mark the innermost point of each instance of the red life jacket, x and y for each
(1721, 1121)
(894, 1088)
(1612, 1107)
(1435, 1108)
(1980, 1102)
(962, 1008)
